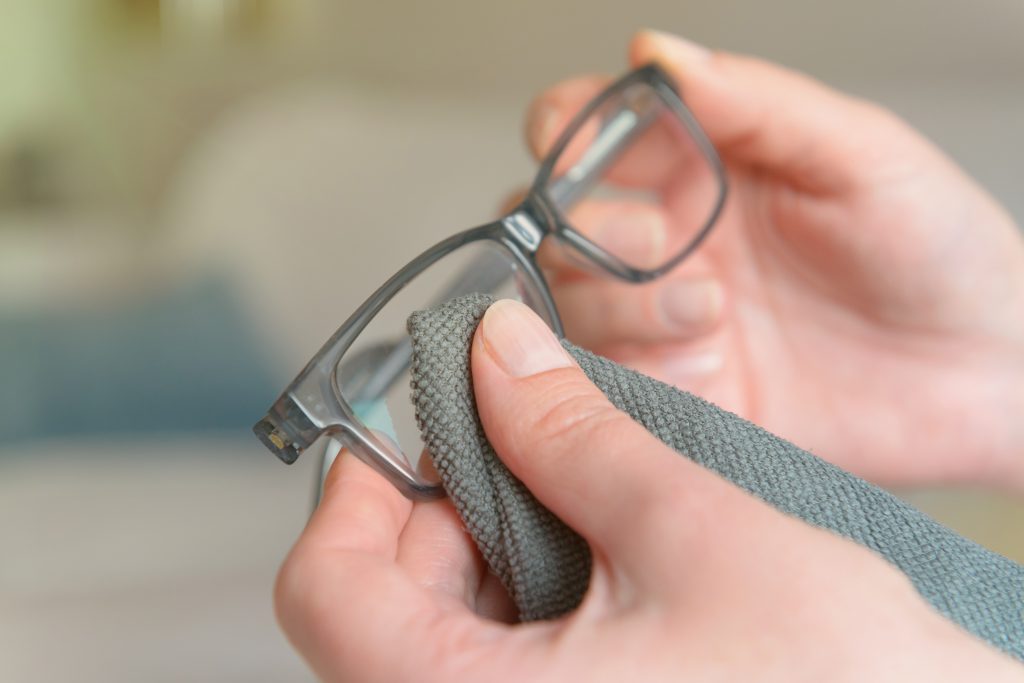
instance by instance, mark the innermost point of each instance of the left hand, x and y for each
(860, 296)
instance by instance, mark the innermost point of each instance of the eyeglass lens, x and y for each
(634, 181)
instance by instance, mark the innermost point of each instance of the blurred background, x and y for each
(195, 193)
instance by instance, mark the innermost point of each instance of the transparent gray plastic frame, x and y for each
(312, 406)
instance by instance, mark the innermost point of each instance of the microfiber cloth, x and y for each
(546, 566)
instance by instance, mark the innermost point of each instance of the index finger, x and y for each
(341, 597)
(359, 511)
(355, 613)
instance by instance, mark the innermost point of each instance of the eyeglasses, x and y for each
(635, 144)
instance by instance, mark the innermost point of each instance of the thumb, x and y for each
(764, 115)
(594, 467)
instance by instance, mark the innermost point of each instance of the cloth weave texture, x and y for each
(546, 566)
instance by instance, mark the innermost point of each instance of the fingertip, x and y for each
(541, 119)
(642, 47)
(673, 53)
(552, 110)
(359, 510)
(515, 338)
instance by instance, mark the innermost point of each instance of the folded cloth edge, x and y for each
(546, 566)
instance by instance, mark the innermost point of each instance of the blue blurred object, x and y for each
(182, 361)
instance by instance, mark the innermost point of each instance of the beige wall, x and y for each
(488, 45)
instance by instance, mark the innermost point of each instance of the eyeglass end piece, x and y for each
(275, 441)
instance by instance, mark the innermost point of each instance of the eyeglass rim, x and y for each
(313, 406)
(655, 77)
(298, 420)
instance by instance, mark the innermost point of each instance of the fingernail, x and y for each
(540, 123)
(519, 341)
(693, 305)
(678, 49)
(639, 240)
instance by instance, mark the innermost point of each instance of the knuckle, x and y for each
(301, 589)
(290, 596)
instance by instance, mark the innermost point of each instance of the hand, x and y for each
(860, 296)
(693, 579)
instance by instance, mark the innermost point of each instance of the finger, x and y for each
(550, 112)
(493, 601)
(346, 605)
(438, 553)
(359, 511)
(598, 312)
(636, 232)
(342, 559)
(586, 461)
(651, 158)
(765, 115)
(694, 366)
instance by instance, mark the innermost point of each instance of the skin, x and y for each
(856, 276)
(859, 296)
(378, 589)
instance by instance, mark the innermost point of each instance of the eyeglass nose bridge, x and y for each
(529, 223)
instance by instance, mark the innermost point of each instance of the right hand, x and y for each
(693, 579)
(860, 296)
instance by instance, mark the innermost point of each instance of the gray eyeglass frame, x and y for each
(312, 405)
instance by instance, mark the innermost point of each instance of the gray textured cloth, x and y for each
(546, 566)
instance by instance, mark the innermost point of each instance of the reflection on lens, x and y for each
(373, 376)
(375, 415)
(634, 181)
